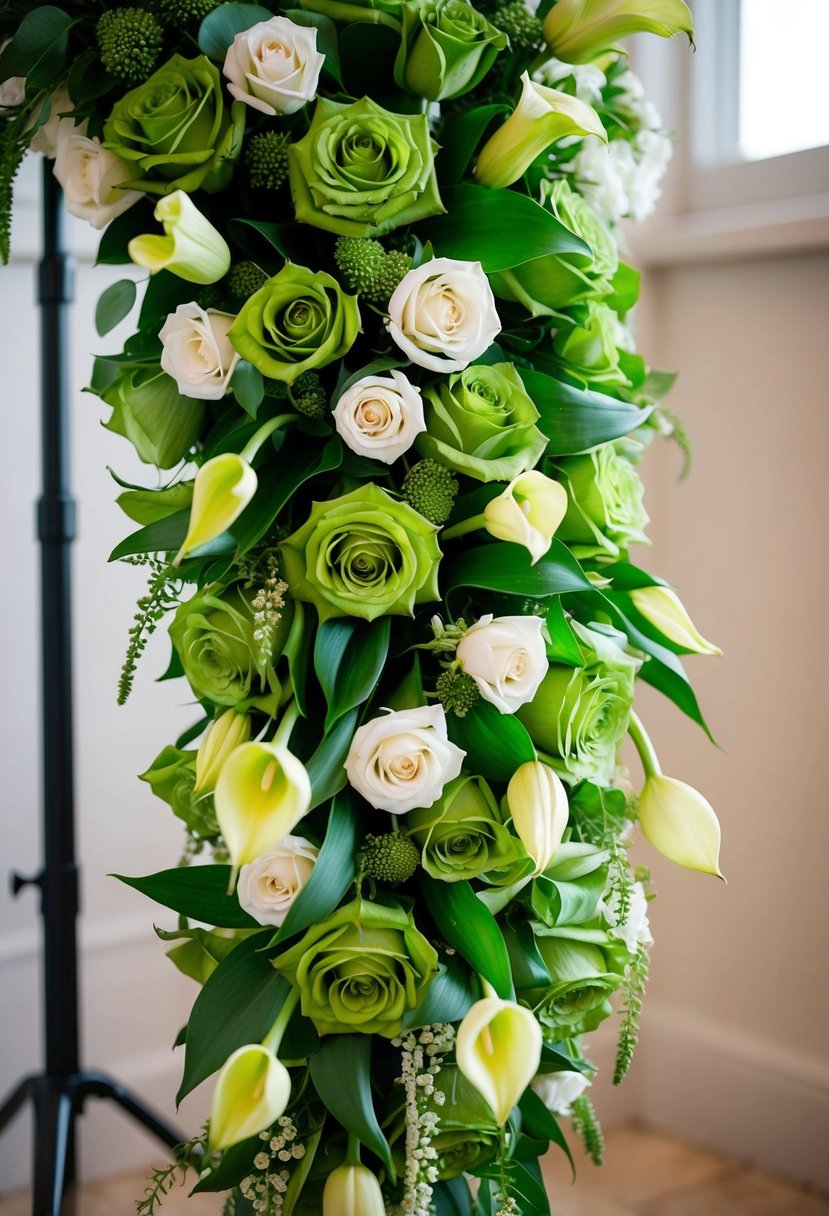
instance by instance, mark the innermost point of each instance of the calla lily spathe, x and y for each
(262, 793)
(498, 1049)
(580, 31)
(664, 609)
(223, 488)
(190, 247)
(252, 1091)
(223, 735)
(528, 512)
(540, 809)
(680, 823)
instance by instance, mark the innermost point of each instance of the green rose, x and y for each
(361, 170)
(177, 129)
(463, 836)
(171, 777)
(482, 423)
(589, 351)
(364, 554)
(362, 969)
(148, 409)
(579, 715)
(298, 320)
(605, 511)
(447, 49)
(583, 977)
(555, 281)
(214, 634)
(467, 1134)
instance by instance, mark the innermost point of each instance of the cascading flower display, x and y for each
(384, 374)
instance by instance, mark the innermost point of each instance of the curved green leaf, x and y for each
(451, 993)
(341, 1074)
(495, 743)
(574, 419)
(506, 567)
(471, 928)
(460, 136)
(220, 27)
(38, 48)
(248, 387)
(163, 536)
(114, 304)
(198, 892)
(326, 766)
(348, 658)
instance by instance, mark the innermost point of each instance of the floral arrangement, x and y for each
(383, 368)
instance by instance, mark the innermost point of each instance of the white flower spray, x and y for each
(421, 1056)
(265, 1189)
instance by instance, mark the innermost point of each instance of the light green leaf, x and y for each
(506, 567)
(248, 387)
(575, 419)
(115, 304)
(496, 744)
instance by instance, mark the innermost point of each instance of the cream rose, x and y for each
(274, 66)
(506, 657)
(268, 886)
(45, 138)
(559, 1090)
(197, 352)
(404, 759)
(380, 416)
(91, 176)
(443, 316)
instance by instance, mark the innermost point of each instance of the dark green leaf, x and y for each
(248, 387)
(452, 1198)
(349, 657)
(326, 766)
(220, 27)
(524, 1183)
(112, 250)
(198, 892)
(341, 1074)
(575, 419)
(235, 1164)
(279, 482)
(115, 304)
(469, 926)
(237, 1005)
(538, 1121)
(164, 536)
(528, 967)
(451, 993)
(498, 228)
(280, 236)
(495, 743)
(38, 49)
(506, 567)
(332, 874)
(460, 136)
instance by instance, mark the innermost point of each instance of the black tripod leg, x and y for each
(15, 1100)
(99, 1085)
(52, 1135)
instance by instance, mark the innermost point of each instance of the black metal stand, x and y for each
(58, 1094)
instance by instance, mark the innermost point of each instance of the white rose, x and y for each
(404, 759)
(443, 315)
(274, 66)
(559, 1090)
(268, 886)
(380, 416)
(197, 352)
(506, 657)
(91, 176)
(45, 138)
(635, 929)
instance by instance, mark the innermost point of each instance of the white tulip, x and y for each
(197, 352)
(506, 657)
(91, 177)
(403, 759)
(380, 416)
(268, 886)
(442, 315)
(559, 1090)
(274, 66)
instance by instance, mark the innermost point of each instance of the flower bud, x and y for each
(541, 117)
(262, 793)
(580, 31)
(680, 823)
(664, 609)
(539, 807)
(498, 1049)
(223, 735)
(528, 512)
(223, 488)
(252, 1091)
(352, 1190)
(191, 247)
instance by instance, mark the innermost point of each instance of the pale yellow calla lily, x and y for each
(223, 488)
(252, 1091)
(498, 1049)
(262, 793)
(680, 823)
(190, 248)
(540, 809)
(541, 117)
(580, 31)
(223, 735)
(352, 1190)
(528, 512)
(664, 609)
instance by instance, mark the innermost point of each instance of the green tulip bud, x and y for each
(680, 824)
(539, 808)
(482, 423)
(148, 409)
(251, 1092)
(581, 31)
(352, 1190)
(262, 792)
(223, 488)
(223, 735)
(462, 835)
(498, 1049)
(528, 512)
(583, 979)
(541, 117)
(190, 248)
(662, 607)
(605, 512)
(447, 48)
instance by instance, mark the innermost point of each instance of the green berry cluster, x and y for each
(391, 858)
(369, 269)
(180, 12)
(457, 693)
(266, 159)
(244, 279)
(130, 40)
(309, 396)
(431, 490)
(522, 27)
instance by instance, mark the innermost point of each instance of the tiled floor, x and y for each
(646, 1174)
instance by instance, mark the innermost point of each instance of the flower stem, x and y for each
(286, 725)
(466, 525)
(352, 1153)
(274, 1036)
(642, 743)
(267, 429)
